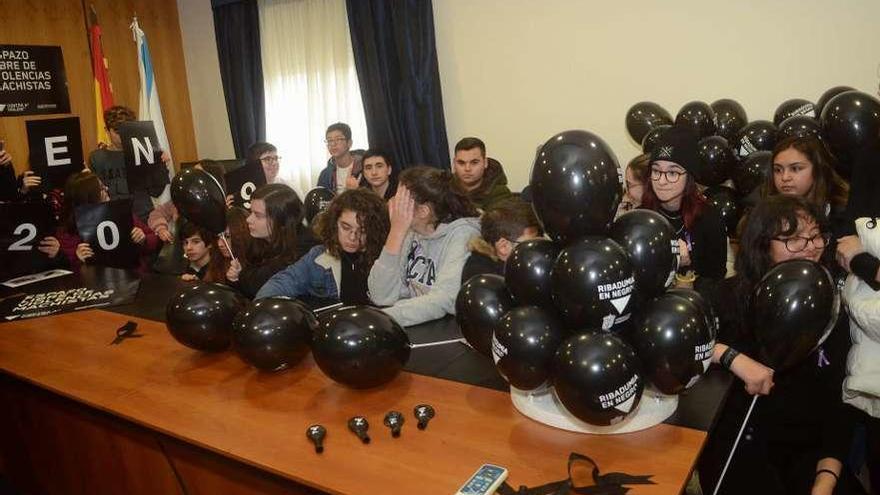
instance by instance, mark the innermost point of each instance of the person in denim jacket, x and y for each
(352, 232)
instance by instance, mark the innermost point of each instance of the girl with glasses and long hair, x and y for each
(673, 193)
(799, 434)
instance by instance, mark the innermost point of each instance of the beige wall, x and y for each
(514, 72)
(211, 122)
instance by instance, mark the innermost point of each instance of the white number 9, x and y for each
(247, 189)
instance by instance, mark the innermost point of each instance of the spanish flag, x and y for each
(103, 89)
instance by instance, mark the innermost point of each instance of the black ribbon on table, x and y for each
(603, 484)
(127, 331)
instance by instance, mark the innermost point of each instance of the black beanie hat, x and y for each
(678, 145)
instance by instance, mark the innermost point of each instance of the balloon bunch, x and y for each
(357, 346)
(587, 312)
(734, 149)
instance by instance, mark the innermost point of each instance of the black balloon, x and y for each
(759, 135)
(749, 174)
(593, 283)
(796, 306)
(200, 199)
(317, 201)
(827, 95)
(674, 342)
(726, 203)
(527, 272)
(650, 242)
(799, 126)
(792, 108)
(699, 116)
(649, 142)
(644, 116)
(523, 345)
(576, 185)
(273, 334)
(702, 304)
(360, 346)
(200, 317)
(717, 159)
(850, 121)
(480, 303)
(597, 378)
(730, 117)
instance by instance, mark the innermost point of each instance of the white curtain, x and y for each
(310, 82)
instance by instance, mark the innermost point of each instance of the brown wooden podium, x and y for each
(150, 416)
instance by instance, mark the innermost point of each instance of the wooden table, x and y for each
(151, 416)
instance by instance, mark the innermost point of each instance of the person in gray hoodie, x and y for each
(418, 274)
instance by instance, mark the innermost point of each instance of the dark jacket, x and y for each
(327, 178)
(802, 420)
(493, 189)
(708, 244)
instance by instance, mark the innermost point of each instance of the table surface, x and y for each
(217, 402)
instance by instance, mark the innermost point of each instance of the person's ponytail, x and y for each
(439, 189)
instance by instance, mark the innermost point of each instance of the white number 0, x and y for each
(22, 244)
(247, 189)
(102, 237)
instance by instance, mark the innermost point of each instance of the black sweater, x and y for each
(804, 410)
(478, 264)
(707, 241)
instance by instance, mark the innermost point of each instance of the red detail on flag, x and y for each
(99, 67)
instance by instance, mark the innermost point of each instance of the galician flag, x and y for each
(149, 108)
(103, 89)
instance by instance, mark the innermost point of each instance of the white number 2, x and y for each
(247, 189)
(22, 244)
(102, 236)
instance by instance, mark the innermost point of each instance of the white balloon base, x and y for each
(542, 406)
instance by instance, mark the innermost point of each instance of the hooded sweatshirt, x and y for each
(861, 388)
(422, 282)
(493, 189)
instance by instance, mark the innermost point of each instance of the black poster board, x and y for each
(106, 227)
(22, 227)
(243, 181)
(32, 80)
(93, 287)
(55, 150)
(143, 156)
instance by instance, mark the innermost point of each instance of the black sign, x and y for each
(243, 181)
(143, 156)
(32, 80)
(107, 227)
(55, 150)
(22, 227)
(93, 287)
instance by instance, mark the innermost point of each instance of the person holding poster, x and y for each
(27, 240)
(86, 188)
(109, 164)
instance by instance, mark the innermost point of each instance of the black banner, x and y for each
(22, 227)
(143, 156)
(55, 150)
(93, 287)
(243, 181)
(107, 227)
(32, 80)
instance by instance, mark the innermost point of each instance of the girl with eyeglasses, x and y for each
(674, 194)
(352, 231)
(799, 434)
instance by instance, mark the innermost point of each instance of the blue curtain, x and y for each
(396, 59)
(237, 29)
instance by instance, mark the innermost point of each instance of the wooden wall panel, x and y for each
(62, 22)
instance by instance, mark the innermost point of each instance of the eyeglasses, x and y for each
(672, 176)
(335, 140)
(270, 159)
(797, 244)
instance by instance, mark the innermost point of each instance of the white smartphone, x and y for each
(485, 481)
